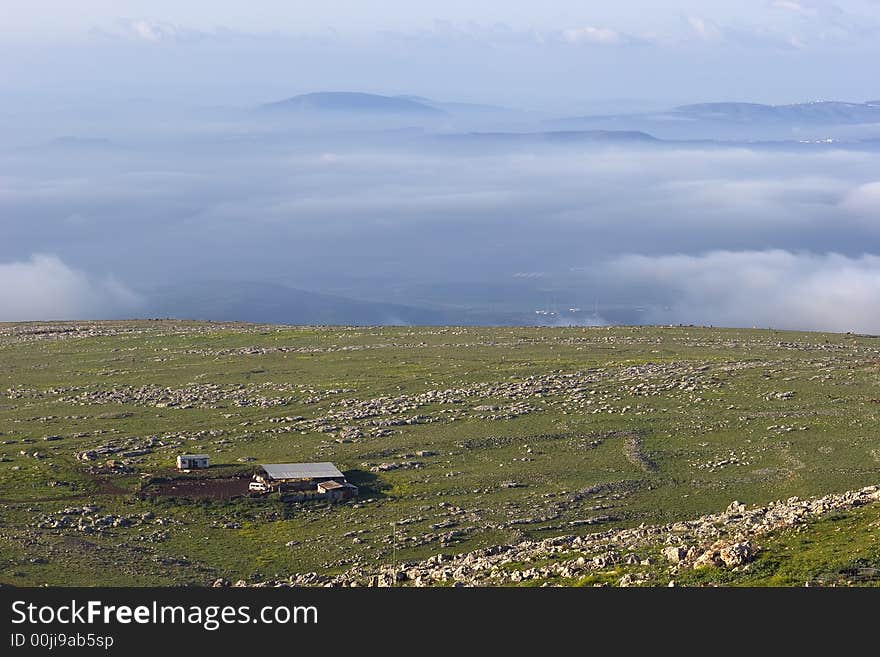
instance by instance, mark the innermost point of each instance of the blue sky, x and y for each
(33, 18)
(560, 51)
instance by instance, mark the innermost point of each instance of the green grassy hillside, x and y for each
(463, 437)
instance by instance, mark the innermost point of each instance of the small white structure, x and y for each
(192, 461)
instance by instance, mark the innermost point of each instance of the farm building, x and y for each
(321, 479)
(192, 461)
(333, 490)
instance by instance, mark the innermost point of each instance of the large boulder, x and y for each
(737, 554)
(674, 553)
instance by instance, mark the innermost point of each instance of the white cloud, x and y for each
(589, 34)
(743, 34)
(864, 201)
(798, 7)
(153, 31)
(44, 288)
(705, 30)
(775, 288)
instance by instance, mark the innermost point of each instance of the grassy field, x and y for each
(462, 437)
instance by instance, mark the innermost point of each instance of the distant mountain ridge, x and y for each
(352, 102)
(219, 300)
(711, 120)
(458, 106)
(815, 112)
(740, 121)
(266, 302)
(557, 137)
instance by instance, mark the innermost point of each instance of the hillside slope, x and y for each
(787, 543)
(460, 439)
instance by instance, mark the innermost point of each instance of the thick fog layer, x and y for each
(772, 288)
(505, 230)
(45, 288)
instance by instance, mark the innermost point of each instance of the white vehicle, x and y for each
(258, 487)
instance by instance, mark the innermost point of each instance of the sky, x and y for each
(563, 51)
(58, 18)
(134, 158)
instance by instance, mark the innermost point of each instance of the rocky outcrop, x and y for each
(728, 540)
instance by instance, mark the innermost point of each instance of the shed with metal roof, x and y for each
(297, 471)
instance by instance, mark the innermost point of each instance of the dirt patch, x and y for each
(106, 486)
(224, 488)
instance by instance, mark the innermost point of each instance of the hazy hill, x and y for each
(557, 137)
(733, 120)
(831, 112)
(351, 102)
(264, 302)
(278, 304)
